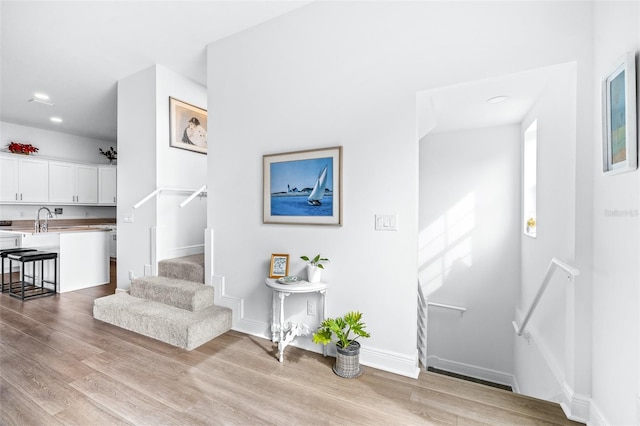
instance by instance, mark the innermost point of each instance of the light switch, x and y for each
(128, 218)
(386, 222)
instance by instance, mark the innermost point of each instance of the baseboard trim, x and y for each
(383, 360)
(576, 407)
(392, 362)
(596, 418)
(474, 371)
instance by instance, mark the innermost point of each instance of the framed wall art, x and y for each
(303, 187)
(188, 126)
(279, 266)
(619, 118)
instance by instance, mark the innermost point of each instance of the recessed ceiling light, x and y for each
(56, 119)
(41, 96)
(497, 99)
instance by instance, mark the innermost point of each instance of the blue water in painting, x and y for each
(298, 206)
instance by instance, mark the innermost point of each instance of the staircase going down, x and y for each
(174, 307)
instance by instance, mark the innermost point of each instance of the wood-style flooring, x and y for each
(60, 366)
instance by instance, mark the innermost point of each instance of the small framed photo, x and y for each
(279, 266)
(619, 118)
(188, 126)
(303, 187)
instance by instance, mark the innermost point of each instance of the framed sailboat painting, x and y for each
(303, 187)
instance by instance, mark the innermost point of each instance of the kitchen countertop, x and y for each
(54, 229)
(61, 226)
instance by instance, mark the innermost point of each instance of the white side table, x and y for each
(285, 333)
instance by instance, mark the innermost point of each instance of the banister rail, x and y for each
(442, 305)
(196, 193)
(158, 191)
(555, 263)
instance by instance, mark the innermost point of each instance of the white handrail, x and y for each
(442, 305)
(159, 190)
(196, 193)
(555, 263)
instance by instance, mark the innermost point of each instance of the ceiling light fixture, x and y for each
(41, 96)
(56, 119)
(497, 99)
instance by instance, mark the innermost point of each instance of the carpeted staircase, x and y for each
(174, 307)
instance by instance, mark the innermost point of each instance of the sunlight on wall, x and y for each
(445, 242)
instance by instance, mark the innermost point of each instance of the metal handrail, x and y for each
(442, 305)
(159, 190)
(555, 263)
(197, 192)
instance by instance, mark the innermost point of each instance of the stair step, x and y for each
(189, 268)
(175, 326)
(188, 295)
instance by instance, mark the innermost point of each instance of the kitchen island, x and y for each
(83, 253)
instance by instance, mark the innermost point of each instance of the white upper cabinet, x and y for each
(72, 183)
(23, 179)
(87, 184)
(107, 185)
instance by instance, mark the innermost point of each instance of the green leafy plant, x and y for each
(316, 261)
(111, 153)
(341, 328)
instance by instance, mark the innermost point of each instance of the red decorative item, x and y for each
(22, 148)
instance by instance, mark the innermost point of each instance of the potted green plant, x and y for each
(346, 330)
(314, 267)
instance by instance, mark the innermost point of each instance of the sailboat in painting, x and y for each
(318, 189)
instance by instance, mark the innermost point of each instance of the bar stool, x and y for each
(28, 290)
(3, 256)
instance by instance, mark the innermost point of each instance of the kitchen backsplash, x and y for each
(29, 212)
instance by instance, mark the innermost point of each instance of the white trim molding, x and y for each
(576, 407)
(392, 362)
(596, 418)
(376, 358)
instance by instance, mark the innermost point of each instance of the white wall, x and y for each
(551, 326)
(182, 228)
(616, 296)
(147, 162)
(136, 171)
(56, 145)
(61, 146)
(469, 243)
(347, 74)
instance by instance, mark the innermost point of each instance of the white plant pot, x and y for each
(314, 274)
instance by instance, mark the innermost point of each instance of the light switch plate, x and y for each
(386, 222)
(128, 218)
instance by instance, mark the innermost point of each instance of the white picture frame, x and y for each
(619, 118)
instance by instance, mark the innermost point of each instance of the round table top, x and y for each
(300, 286)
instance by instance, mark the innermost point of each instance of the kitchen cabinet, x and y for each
(83, 255)
(72, 183)
(23, 179)
(107, 185)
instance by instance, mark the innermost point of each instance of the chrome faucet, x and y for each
(45, 227)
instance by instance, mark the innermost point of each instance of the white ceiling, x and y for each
(76, 51)
(464, 106)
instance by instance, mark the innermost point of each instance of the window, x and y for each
(529, 181)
